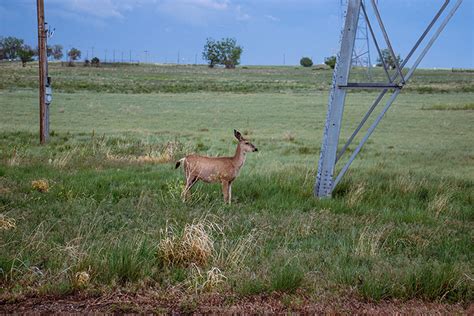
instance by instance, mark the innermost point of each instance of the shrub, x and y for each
(330, 61)
(95, 62)
(306, 62)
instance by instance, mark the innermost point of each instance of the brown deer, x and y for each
(216, 169)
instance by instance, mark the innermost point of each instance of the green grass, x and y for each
(400, 225)
(146, 78)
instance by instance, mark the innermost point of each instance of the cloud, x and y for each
(271, 18)
(101, 9)
(206, 4)
(241, 15)
(191, 11)
(196, 12)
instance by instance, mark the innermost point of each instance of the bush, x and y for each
(95, 62)
(306, 62)
(330, 61)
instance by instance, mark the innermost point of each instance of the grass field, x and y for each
(106, 213)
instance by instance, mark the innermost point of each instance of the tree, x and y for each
(57, 52)
(224, 52)
(389, 61)
(10, 46)
(49, 51)
(26, 54)
(306, 62)
(73, 54)
(95, 62)
(211, 52)
(229, 52)
(330, 61)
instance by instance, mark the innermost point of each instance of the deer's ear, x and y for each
(237, 134)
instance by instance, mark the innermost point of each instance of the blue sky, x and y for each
(271, 31)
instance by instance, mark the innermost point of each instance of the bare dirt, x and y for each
(176, 304)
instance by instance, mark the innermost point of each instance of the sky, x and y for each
(271, 32)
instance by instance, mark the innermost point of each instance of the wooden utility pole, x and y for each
(43, 73)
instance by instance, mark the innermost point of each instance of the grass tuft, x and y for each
(440, 203)
(7, 223)
(287, 278)
(194, 245)
(370, 241)
(356, 194)
(41, 185)
(81, 279)
(205, 282)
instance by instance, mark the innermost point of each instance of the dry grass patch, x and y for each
(81, 279)
(440, 203)
(289, 136)
(64, 159)
(356, 194)
(40, 185)
(233, 255)
(164, 155)
(6, 223)
(201, 281)
(194, 245)
(15, 159)
(371, 241)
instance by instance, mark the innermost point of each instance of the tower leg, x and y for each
(327, 160)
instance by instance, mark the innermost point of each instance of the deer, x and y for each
(216, 169)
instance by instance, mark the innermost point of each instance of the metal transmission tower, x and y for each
(395, 81)
(361, 51)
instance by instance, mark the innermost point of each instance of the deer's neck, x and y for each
(239, 157)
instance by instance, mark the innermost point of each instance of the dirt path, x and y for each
(172, 303)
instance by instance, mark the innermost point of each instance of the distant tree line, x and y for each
(13, 48)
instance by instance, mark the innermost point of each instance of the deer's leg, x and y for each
(230, 192)
(190, 181)
(226, 191)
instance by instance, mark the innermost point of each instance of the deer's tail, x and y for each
(178, 163)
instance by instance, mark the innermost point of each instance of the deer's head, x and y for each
(244, 144)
